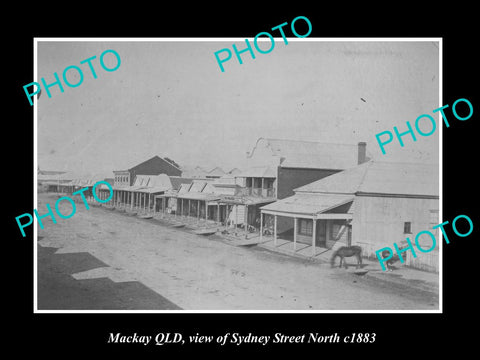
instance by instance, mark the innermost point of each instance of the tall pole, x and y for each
(246, 221)
(275, 230)
(295, 231)
(261, 225)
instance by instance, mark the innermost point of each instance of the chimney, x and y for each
(362, 152)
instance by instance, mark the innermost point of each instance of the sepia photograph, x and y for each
(181, 175)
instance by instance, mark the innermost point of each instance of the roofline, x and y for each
(373, 194)
(168, 162)
(227, 185)
(311, 168)
(313, 216)
(361, 193)
(250, 154)
(312, 142)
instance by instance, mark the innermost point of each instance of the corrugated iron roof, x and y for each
(310, 154)
(177, 181)
(151, 183)
(308, 204)
(375, 177)
(198, 196)
(184, 188)
(197, 186)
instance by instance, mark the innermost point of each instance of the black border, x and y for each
(406, 334)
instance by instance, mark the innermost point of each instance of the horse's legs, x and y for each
(345, 262)
(359, 260)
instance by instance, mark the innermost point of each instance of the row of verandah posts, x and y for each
(295, 230)
(137, 200)
(181, 210)
(189, 208)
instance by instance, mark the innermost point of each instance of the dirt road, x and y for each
(196, 272)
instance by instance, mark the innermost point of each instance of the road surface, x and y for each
(178, 269)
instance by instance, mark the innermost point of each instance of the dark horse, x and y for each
(347, 251)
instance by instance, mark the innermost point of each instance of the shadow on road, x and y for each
(58, 290)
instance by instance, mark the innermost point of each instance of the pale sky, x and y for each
(171, 99)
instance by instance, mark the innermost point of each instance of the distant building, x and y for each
(154, 166)
(49, 172)
(215, 173)
(124, 179)
(296, 163)
(196, 172)
(52, 181)
(278, 166)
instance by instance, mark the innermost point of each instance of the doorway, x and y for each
(321, 233)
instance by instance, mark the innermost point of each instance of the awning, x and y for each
(153, 190)
(310, 205)
(70, 183)
(128, 188)
(198, 196)
(168, 194)
(51, 183)
(245, 200)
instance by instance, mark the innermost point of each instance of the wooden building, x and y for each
(279, 166)
(198, 201)
(196, 172)
(166, 203)
(153, 186)
(297, 163)
(125, 179)
(54, 181)
(373, 205)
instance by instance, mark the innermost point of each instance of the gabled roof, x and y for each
(310, 154)
(185, 187)
(141, 181)
(193, 172)
(197, 186)
(157, 183)
(177, 181)
(49, 172)
(209, 188)
(129, 168)
(217, 171)
(372, 177)
(200, 190)
(152, 158)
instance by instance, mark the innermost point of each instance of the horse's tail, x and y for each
(332, 259)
